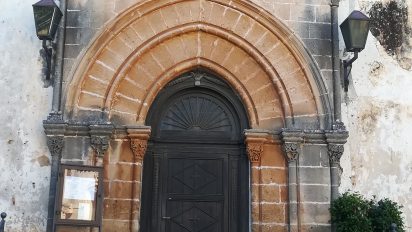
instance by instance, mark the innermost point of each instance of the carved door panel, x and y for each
(195, 193)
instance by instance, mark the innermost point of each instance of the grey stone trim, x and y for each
(291, 151)
(99, 137)
(336, 139)
(335, 153)
(292, 140)
(55, 145)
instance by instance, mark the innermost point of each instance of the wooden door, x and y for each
(196, 172)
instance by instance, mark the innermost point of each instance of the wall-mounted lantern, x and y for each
(47, 16)
(354, 30)
(80, 196)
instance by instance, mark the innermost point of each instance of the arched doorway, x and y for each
(195, 175)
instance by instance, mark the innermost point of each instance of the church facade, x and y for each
(194, 115)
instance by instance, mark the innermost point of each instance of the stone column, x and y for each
(291, 146)
(336, 139)
(99, 140)
(255, 141)
(139, 137)
(54, 128)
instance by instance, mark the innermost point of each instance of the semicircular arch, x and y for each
(152, 42)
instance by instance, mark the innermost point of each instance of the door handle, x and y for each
(166, 218)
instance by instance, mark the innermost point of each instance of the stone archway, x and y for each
(147, 46)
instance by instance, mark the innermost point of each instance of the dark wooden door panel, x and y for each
(195, 191)
(194, 216)
(191, 176)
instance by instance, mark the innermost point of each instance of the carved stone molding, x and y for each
(138, 147)
(100, 138)
(255, 151)
(100, 144)
(335, 153)
(138, 140)
(291, 151)
(255, 141)
(55, 144)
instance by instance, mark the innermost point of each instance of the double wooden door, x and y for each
(195, 172)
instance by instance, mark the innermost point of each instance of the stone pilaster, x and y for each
(292, 140)
(255, 141)
(139, 137)
(54, 128)
(336, 139)
(99, 140)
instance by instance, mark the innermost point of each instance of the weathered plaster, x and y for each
(24, 158)
(378, 113)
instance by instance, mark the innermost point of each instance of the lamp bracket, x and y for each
(47, 54)
(347, 65)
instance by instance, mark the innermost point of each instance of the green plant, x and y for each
(385, 212)
(350, 213)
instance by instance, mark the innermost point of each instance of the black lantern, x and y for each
(355, 31)
(46, 17)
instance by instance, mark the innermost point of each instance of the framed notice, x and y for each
(80, 195)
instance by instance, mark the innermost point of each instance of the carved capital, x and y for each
(100, 144)
(138, 147)
(255, 151)
(138, 140)
(335, 153)
(55, 144)
(291, 151)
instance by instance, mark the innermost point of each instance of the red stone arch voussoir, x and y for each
(152, 42)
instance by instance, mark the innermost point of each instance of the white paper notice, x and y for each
(79, 188)
(84, 211)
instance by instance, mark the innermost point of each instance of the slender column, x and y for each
(138, 144)
(291, 147)
(254, 145)
(99, 140)
(336, 139)
(54, 129)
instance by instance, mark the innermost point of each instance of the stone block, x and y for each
(273, 156)
(117, 209)
(303, 12)
(324, 62)
(323, 14)
(282, 11)
(120, 151)
(273, 176)
(119, 171)
(315, 193)
(320, 31)
(78, 18)
(116, 225)
(313, 213)
(120, 189)
(72, 51)
(313, 155)
(314, 175)
(273, 213)
(315, 228)
(318, 46)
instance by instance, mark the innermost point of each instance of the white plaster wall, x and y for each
(24, 103)
(377, 111)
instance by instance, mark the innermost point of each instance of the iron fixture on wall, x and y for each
(354, 30)
(47, 16)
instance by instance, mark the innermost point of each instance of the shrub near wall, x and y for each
(354, 213)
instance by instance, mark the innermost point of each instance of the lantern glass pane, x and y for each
(359, 33)
(43, 18)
